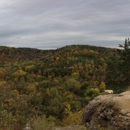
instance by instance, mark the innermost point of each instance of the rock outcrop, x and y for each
(108, 112)
(76, 127)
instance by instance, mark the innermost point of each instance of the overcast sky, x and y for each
(48, 24)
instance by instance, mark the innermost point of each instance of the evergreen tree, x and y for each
(124, 65)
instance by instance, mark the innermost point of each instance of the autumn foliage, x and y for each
(39, 84)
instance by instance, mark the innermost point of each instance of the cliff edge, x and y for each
(109, 112)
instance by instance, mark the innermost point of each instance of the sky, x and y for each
(51, 24)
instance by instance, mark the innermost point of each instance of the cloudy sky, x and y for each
(48, 24)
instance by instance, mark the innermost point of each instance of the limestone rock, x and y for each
(109, 112)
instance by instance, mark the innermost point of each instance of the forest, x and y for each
(49, 88)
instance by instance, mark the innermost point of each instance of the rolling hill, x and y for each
(54, 83)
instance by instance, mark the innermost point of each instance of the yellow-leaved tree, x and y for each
(71, 118)
(102, 87)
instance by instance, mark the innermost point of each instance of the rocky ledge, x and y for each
(108, 112)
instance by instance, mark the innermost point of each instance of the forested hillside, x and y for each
(54, 85)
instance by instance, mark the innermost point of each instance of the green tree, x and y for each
(72, 85)
(124, 65)
(91, 93)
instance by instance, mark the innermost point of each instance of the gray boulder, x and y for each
(109, 112)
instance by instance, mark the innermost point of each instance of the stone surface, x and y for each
(75, 127)
(111, 112)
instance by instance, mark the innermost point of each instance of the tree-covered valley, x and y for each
(54, 86)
